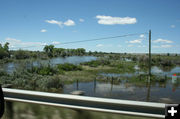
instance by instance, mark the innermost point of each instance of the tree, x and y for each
(4, 50)
(6, 47)
(49, 50)
(21, 54)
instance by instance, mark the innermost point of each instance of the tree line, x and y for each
(51, 51)
(48, 51)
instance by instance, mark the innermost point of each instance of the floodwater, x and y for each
(164, 92)
(10, 67)
(154, 70)
(167, 91)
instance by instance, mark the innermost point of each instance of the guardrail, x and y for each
(126, 107)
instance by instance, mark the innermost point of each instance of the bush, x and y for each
(43, 70)
(96, 63)
(21, 54)
(126, 67)
(166, 63)
(50, 82)
(68, 67)
(3, 73)
(48, 70)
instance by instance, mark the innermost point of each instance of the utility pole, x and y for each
(149, 54)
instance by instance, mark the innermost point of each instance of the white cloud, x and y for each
(130, 45)
(81, 20)
(162, 46)
(136, 41)
(69, 22)
(12, 40)
(173, 26)
(55, 42)
(162, 41)
(141, 46)
(109, 20)
(14, 43)
(43, 30)
(59, 23)
(99, 45)
(142, 36)
(166, 46)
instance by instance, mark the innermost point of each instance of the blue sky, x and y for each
(39, 22)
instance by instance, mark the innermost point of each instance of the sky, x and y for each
(26, 23)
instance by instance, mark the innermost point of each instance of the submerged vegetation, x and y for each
(53, 77)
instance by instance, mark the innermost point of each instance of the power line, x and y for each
(96, 39)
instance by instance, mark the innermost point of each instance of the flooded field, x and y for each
(164, 92)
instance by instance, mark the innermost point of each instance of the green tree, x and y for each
(49, 50)
(4, 50)
(21, 54)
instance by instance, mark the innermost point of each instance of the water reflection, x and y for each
(124, 89)
(10, 67)
(154, 70)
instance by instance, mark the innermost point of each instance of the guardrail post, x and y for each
(9, 113)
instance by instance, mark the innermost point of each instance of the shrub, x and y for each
(96, 63)
(43, 70)
(68, 67)
(50, 82)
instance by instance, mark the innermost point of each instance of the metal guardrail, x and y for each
(136, 108)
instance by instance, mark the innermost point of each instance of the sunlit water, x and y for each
(10, 67)
(166, 92)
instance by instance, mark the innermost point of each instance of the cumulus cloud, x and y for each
(81, 20)
(109, 20)
(136, 41)
(160, 40)
(69, 22)
(43, 30)
(14, 43)
(99, 45)
(173, 26)
(59, 23)
(55, 42)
